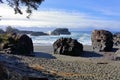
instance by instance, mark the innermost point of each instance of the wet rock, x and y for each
(13, 43)
(116, 39)
(68, 46)
(102, 40)
(59, 31)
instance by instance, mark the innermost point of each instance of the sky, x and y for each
(73, 14)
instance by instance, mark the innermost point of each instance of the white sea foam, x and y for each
(82, 37)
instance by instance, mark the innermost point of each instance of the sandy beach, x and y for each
(91, 66)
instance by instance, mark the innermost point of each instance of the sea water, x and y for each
(83, 37)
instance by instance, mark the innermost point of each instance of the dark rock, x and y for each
(68, 46)
(117, 54)
(38, 33)
(102, 40)
(24, 44)
(9, 29)
(13, 43)
(25, 32)
(3, 74)
(59, 31)
(116, 39)
(1, 31)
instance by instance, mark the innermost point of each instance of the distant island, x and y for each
(57, 31)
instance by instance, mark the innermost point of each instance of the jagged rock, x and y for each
(59, 31)
(102, 40)
(13, 43)
(116, 39)
(68, 46)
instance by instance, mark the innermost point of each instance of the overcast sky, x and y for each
(81, 14)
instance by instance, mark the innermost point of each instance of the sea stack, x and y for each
(59, 31)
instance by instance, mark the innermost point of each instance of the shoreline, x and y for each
(88, 53)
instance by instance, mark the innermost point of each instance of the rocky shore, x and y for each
(45, 64)
(67, 59)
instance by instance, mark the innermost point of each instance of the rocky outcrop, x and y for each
(68, 46)
(116, 39)
(13, 43)
(102, 40)
(59, 31)
(9, 29)
(38, 34)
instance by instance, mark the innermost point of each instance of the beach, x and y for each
(91, 66)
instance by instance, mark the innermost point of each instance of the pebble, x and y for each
(78, 70)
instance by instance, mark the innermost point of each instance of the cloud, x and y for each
(56, 18)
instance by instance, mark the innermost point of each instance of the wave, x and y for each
(82, 37)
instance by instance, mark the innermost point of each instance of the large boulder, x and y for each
(68, 46)
(59, 31)
(116, 39)
(102, 40)
(13, 43)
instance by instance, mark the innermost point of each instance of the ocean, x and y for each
(83, 37)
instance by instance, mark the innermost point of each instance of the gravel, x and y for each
(65, 67)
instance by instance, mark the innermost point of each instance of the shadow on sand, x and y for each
(44, 55)
(114, 49)
(14, 65)
(91, 54)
